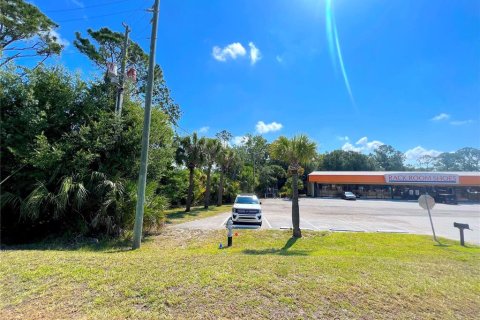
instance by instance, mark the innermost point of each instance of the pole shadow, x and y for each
(284, 251)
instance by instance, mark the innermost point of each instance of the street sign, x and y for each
(426, 202)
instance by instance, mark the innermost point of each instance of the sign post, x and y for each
(427, 202)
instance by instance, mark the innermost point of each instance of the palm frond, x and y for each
(35, 202)
(97, 176)
(8, 198)
(80, 196)
(61, 199)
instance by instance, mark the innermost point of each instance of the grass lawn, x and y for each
(178, 215)
(266, 274)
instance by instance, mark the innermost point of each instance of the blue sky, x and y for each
(266, 67)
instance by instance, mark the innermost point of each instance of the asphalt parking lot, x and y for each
(339, 215)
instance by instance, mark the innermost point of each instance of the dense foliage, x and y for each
(465, 159)
(69, 164)
(340, 160)
(106, 47)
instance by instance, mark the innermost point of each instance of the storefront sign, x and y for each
(430, 178)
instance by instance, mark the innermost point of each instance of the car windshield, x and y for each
(349, 194)
(246, 200)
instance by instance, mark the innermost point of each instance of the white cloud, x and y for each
(343, 138)
(58, 38)
(440, 117)
(78, 3)
(279, 59)
(362, 145)
(363, 140)
(232, 51)
(446, 116)
(255, 53)
(461, 122)
(203, 129)
(414, 154)
(262, 127)
(369, 146)
(374, 145)
(239, 140)
(350, 147)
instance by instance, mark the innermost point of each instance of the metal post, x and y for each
(119, 102)
(229, 232)
(142, 177)
(461, 227)
(462, 239)
(430, 216)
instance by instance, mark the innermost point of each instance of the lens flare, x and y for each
(334, 45)
(330, 33)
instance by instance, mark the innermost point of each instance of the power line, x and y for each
(87, 7)
(140, 34)
(100, 16)
(135, 23)
(184, 130)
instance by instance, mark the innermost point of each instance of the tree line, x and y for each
(386, 158)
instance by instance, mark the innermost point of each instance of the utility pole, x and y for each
(142, 177)
(119, 101)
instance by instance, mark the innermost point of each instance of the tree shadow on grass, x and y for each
(284, 251)
(448, 245)
(440, 244)
(85, 244)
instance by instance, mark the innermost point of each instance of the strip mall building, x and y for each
(394, 185)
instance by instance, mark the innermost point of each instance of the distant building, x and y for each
(464, 186)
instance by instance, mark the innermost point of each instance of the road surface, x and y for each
(361, 216)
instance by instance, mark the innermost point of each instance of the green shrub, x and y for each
(78, 162)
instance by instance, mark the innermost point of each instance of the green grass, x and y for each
(266, 274)
(178, 215)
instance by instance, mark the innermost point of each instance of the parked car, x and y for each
(347, 195)
(446, 198)
(247, 209)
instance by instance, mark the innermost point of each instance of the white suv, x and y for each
(247, 209)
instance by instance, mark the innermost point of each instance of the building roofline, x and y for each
(381, 173)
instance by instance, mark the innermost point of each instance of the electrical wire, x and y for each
(184, 130)
(96, 17)
(136, 23)
(87, 7)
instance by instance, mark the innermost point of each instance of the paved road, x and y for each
(361, 216)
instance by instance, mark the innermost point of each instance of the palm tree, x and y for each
(95, 197)
(190, 153)
(294, 151)
(226, 159)
(212, 149)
